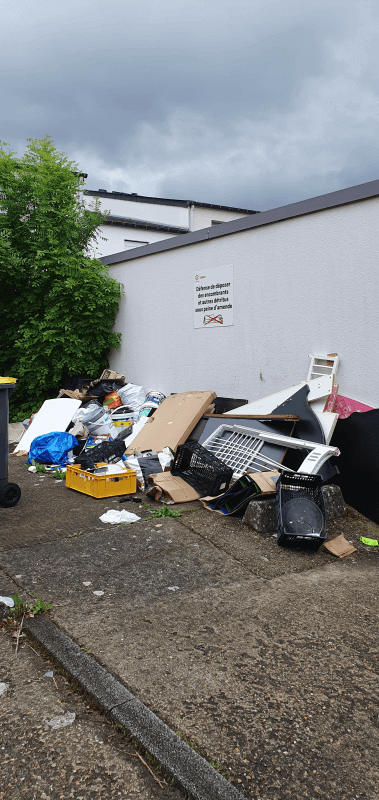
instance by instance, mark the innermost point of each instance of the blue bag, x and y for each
(52, 448)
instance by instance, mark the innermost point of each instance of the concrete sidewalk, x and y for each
(264, 659)
(84, 759)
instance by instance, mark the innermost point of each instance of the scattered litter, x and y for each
(61, 722)
(115, 517)
(3, 688)
(49, 674)
(18, 576)
(172, 588)
(98, 593)
(8, 601)
(194, 445)
(87, 583)
(339, 547)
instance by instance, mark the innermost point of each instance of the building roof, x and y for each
(363, 191)
(162, 201)
(132, 222)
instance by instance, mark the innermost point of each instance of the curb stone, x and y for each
(190, 770)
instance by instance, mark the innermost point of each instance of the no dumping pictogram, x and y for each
(208, 319)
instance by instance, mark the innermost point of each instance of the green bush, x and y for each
(57, 303)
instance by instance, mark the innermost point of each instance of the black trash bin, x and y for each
(10, 493)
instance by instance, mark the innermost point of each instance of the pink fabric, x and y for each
(344, 406)
(332, 399)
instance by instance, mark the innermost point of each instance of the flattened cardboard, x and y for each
(340, 547)
(172, 421)
(163, 483)
(74, 395)
(265, 480)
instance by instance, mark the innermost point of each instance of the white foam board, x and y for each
(136, 429)
(54, 415)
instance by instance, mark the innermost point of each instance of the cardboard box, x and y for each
(110, 375)
(171, 487)
(172, 422)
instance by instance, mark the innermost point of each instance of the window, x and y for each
(130, 243)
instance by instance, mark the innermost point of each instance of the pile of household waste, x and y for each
(110, 437)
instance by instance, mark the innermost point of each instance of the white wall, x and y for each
(306, 285)
(116, 234)
(202, 217)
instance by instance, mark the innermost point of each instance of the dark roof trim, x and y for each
(364, 191)
(161, 201)
(131, 222)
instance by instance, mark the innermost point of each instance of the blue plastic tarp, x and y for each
(52, 448)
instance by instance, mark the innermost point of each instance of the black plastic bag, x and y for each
(100, 389)
(150, 465)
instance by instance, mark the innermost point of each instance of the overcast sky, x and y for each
(249, 103)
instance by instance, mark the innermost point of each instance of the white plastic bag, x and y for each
(132, 463)
(115, 517)
(165, 458)
(132, 395)
(91, 412)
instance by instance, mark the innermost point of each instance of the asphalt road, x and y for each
(264, 659)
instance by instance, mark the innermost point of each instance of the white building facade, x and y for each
(135, 220)
(305, 280)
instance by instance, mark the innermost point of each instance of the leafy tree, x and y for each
(57, 303)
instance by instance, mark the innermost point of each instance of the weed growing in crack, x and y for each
(165, 512)
(37, 606)
(59, 475)
(19, 606)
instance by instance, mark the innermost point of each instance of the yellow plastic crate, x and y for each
(101, 485)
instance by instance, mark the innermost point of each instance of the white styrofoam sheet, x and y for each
(54, 415)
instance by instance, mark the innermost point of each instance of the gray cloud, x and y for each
(253, 103)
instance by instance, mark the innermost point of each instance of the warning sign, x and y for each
(213, 297)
